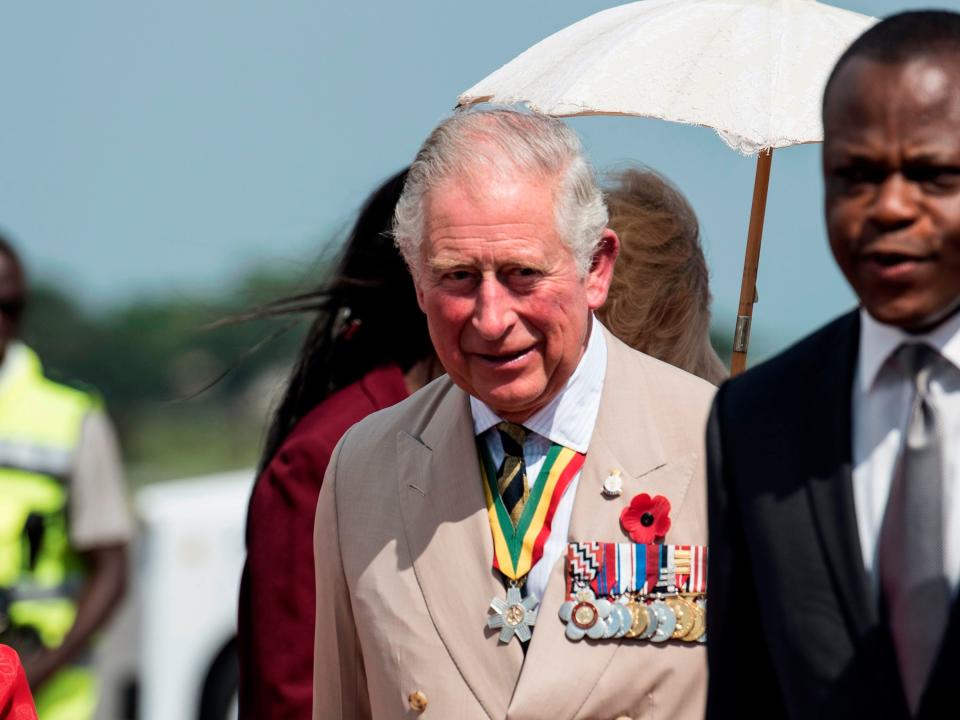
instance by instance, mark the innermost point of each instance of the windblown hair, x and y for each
(505, 143)
(659, 299)
(367, 316)
(903, 37)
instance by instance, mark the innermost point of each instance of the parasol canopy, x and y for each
(753, 70)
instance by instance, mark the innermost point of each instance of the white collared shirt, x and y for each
(882, 397)
(567, 420)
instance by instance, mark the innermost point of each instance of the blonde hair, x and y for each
(659, 300)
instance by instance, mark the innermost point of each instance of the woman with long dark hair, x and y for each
(367, 349)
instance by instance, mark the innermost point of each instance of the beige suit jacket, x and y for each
(404, 550)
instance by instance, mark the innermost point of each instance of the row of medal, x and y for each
(644, 592)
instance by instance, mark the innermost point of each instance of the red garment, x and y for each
(277, 594)
(16, 702)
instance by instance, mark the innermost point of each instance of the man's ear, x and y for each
(601, 268)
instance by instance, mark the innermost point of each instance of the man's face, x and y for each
(12, 295)
(508, 312)
(891, 162)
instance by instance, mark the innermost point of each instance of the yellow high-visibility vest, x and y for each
(40, 424)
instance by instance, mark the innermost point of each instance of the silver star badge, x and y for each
(514, 616)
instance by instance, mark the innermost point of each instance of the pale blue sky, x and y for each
(162, 147)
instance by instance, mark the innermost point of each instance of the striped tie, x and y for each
(512, 475)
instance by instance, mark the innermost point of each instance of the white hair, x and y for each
(505, 142)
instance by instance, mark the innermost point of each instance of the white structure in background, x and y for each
(176, 642)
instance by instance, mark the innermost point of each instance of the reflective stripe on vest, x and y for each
(40, 425)
(35, 458)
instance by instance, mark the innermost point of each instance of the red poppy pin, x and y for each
(645, 519)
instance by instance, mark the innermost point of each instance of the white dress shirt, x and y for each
(882, 397)
(567, 420)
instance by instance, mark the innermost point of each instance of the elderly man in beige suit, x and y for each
(442, 531)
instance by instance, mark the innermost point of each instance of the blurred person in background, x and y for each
(834, 467)
(659, 300)
(367, 349)
(64, 519)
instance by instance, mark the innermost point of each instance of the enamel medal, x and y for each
(513, 616)
(586, 616)
(651, 592)
(517, 548)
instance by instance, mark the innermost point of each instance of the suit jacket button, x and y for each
(418, 701)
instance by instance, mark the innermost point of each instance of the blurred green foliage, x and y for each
(188, 393)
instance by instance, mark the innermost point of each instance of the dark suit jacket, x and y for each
(794, 631)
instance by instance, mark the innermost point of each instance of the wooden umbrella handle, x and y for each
(751, 259)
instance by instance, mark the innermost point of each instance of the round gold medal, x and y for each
(585, 615)
(699, 624)
(640, 618)
(514, 615)
(684, 612)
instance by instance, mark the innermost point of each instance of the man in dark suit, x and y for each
(834, 468)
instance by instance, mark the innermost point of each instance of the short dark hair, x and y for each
(6, 248)
(902, 37)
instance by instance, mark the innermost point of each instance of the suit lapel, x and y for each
(830, 489)
(638, 454)
(443, 508)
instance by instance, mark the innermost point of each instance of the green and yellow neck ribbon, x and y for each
(517, 549)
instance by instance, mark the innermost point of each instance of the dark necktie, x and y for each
(912, 578)
(512, 475)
